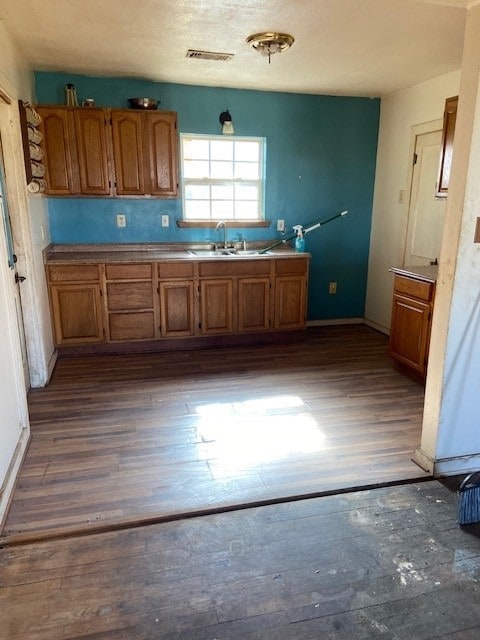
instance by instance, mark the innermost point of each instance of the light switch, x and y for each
(165, 220)
(121, 220)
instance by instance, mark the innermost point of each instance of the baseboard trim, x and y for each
(51, 365)
(378, 327)
(8, 487)
(447, 466)
(334, 321)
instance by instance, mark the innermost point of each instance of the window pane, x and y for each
(197, 192)
(222, 192)
(197, 209)
(221, 150)
(195, 169)
(196, 149)
(247, 151)
(222, 170)
(247, 170)
(222, 209)
(246, 192)
(246, 210)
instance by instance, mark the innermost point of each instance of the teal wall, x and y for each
(320, 159)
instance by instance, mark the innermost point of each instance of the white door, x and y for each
(426, 213)
(11, 260)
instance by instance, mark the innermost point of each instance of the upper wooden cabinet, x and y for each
(103, 152)
(446, 151)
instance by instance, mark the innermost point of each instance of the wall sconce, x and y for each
(226, 122)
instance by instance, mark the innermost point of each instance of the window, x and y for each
(222, 177)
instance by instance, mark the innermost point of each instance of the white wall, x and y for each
(399, 111)
(28, 217)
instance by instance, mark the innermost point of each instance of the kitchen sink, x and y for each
(222, 253)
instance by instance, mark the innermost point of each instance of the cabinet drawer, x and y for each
(169, 270)
(129, 295)
(232, 267)
(73, 273)
(414, 288)
(128, 271)
(291, 266)
(132, 326)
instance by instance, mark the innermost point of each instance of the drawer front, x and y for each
(73, 273)
(232, 267)
(132, 326)
(291, 266)
(171, 270)
(128, 271)
(414, 288)
(129, 295)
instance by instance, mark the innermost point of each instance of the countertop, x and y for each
(107, 253)
(426, 273)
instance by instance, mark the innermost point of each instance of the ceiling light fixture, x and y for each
(269, 43)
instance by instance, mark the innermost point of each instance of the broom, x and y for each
(469, 499)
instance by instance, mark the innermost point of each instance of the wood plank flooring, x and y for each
(388, 563)
(123, 439)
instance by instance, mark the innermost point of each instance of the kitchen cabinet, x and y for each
(120, 302)
(412, 308)
(75, 298)
(446, 150)
(105, 152)
(291, 293)
(177, 299)
(130, 308)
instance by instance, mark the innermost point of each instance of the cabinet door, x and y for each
(60, 159)
(90, 131)
(77, 316)
(253, 304)
(409, 335)
(177, 309)
(446, 151)
(161, 137)
(290, 302)
(216, 306)
(128, 152)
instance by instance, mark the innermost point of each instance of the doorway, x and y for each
(425, 211)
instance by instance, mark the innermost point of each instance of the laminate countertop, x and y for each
(107, 253)
(426, 273)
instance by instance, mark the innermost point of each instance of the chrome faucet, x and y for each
(219, 225)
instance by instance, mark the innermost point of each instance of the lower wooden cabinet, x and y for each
(128, 302)
(76, 313)
(412, 308)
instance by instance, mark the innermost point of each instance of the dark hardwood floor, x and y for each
(130, 439)
(389, 563)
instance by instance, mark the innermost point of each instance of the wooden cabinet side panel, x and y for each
(216, 306)
(177, 308)
(60, 160)
(128, 152)
(77, 316)
(290, 302)
(161, 136)
(90, 129)
(409, 333)
(253, 304)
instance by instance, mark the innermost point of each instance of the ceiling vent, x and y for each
(209, 55)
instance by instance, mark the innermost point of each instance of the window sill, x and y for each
(205, 224)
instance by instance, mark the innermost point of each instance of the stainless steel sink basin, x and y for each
(222, 253)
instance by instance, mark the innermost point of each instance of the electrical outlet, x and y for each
(401, 196)
(280, 225)
(121, 220)
(332, 288)
(165, 220)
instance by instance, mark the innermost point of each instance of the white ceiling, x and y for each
(342, 47)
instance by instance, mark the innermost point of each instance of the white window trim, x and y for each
(260, 182)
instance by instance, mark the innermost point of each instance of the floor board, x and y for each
(386, 563)
(121, 438)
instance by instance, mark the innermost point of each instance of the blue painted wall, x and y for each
(320, 159)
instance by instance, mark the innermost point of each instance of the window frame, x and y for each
(260, 183)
